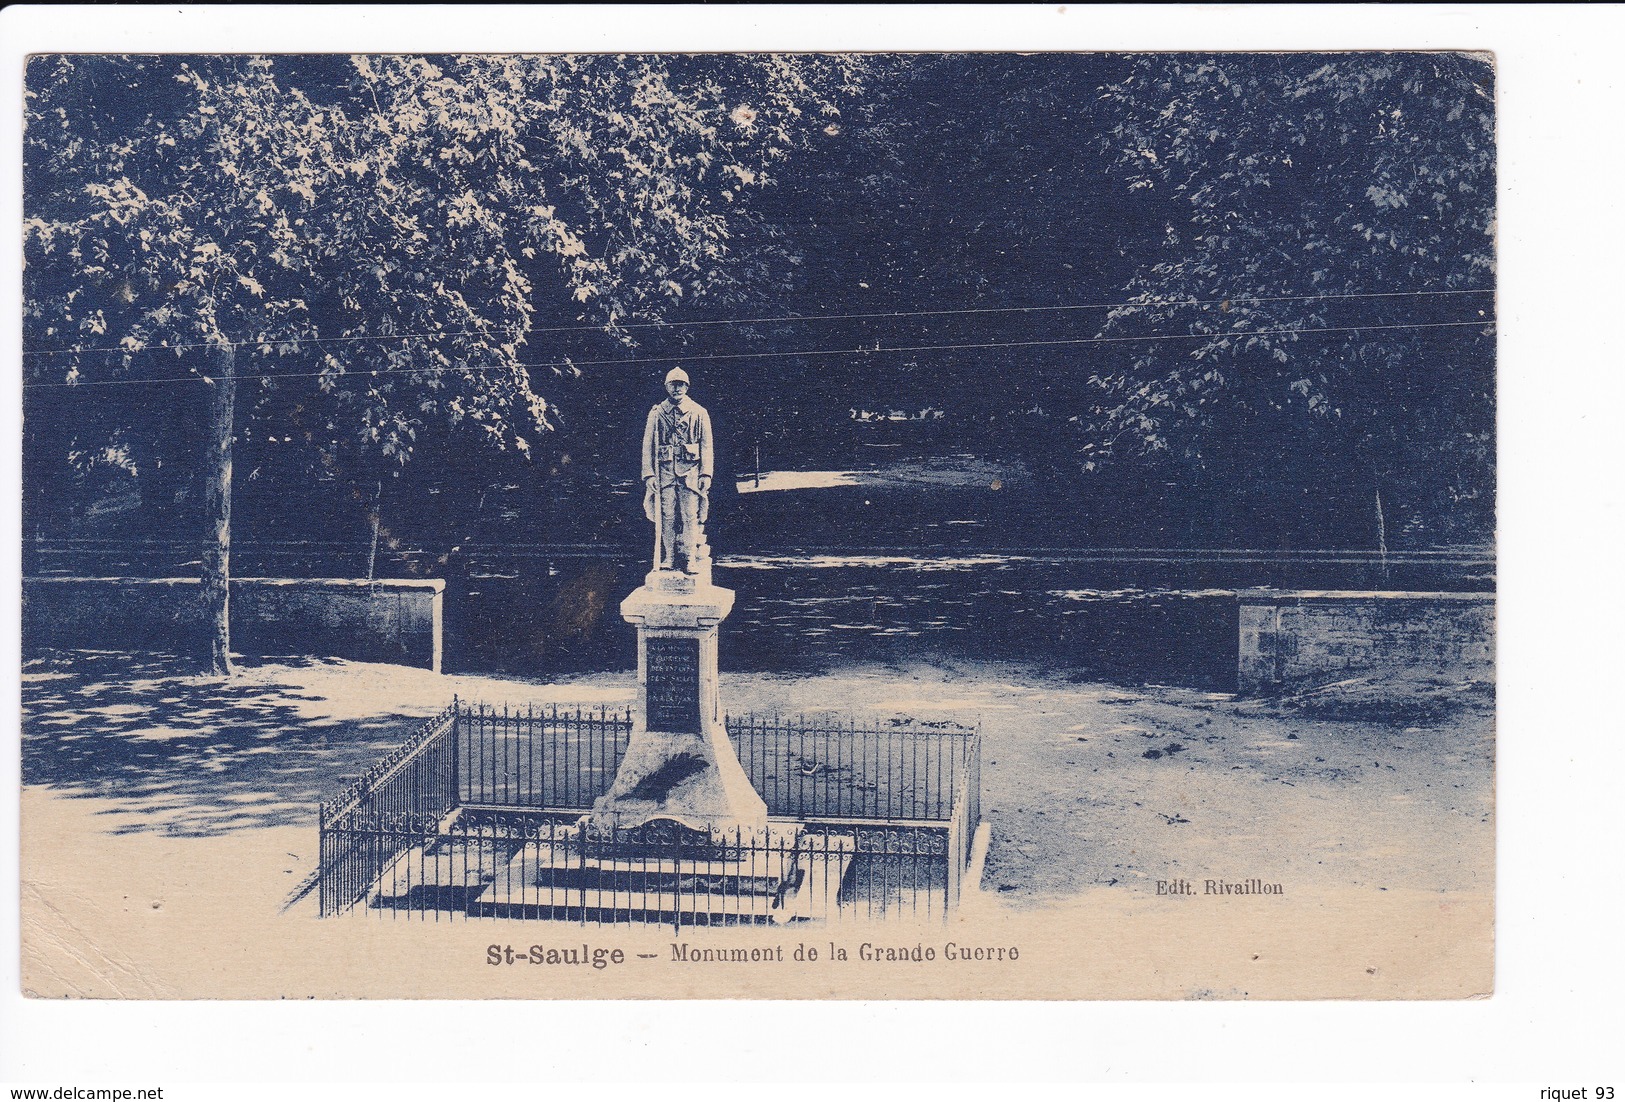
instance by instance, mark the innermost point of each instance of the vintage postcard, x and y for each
(796, 526)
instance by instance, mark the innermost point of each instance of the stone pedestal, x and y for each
(679, 764)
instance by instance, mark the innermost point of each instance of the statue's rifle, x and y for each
(659, 514)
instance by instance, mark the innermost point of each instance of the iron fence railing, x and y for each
(558, 758)
(563, 758)
(965, 817)
(410, 785)
(888, 772)
(476, 815)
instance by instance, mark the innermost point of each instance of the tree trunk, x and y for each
(374, 516)
(1382, 537)
(217, 508)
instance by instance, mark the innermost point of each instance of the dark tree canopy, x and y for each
(411, 216)
(517, 245)
(1351, 194)
(370, 243)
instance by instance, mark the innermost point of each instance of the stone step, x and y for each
(619, 916)
(748, 864)
(639, 880)
(821, 870)
(550, 879)
(441, 871)
(545, 901)
(560, 866)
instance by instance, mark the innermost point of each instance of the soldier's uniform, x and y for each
(677, 453)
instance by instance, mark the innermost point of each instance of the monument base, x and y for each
(679, 765)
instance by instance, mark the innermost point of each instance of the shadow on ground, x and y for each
(186, 755)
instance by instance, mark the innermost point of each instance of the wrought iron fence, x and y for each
(411, 784)
(563, 759)
(550, 758)
(965, 817)
(880, 772)
(477, 815)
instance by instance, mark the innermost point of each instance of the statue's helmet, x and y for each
(677, 374)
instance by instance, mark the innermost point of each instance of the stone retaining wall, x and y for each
(1294, 637)
(370, 621)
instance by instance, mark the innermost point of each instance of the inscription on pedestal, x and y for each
(673, 684)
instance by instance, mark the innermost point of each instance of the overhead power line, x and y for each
(857, 351)
(767, 320)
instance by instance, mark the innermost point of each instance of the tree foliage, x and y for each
(402, 215)
(370, 243)
(403, 251)
(1306, 193)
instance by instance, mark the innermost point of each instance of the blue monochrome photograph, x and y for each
(924, 526)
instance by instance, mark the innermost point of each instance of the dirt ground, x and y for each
(154, 797)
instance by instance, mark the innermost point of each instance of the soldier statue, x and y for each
(677, 464)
